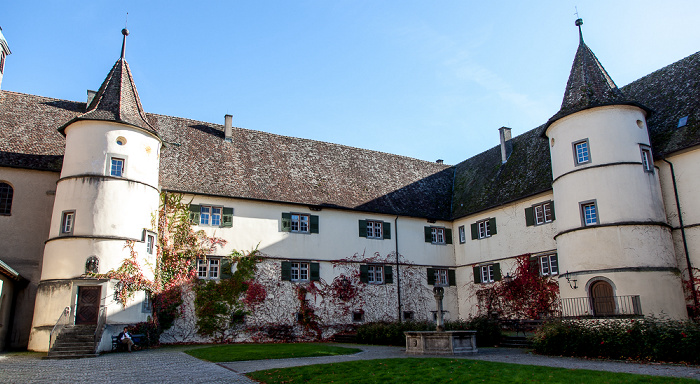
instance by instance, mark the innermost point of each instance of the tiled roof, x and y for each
(117, 101)
(28, 130)
(589, 85)
(264, 166)
(482, 182)
(255, 165)
(671, 92)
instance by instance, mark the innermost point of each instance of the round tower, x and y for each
(615, 247)
(106, 198)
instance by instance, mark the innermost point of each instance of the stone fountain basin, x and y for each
(441, 342)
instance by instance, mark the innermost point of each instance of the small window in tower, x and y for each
(67, 221)
(647, 160)
(2, 62)
(117, 167)
(683, 121)
(582, 153)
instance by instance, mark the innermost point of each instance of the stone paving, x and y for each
(149, 366)
(171, 365)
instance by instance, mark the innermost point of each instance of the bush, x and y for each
(391, 333)
(148, 328)
(647, 339)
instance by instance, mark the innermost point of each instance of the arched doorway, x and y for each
(602, 299)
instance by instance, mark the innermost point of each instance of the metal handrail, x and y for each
(609, 306)
(60, 323)
(101, 320)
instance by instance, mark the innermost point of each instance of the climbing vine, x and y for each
(526, 296)
(224, 303)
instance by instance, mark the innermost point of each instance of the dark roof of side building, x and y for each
(672, 92)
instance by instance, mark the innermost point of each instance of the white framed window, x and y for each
(647, 159)
(204, 213)
(549, 265)
(375, 229)
(375, 274)
(300, 271)
(150, 243)
(589, 213)
(488, 273)
(441, 277)
(438, 235)
(543, 213)
(300, 223)
(582, 153)
(208, 268)
(116, 166)
(216, 216)
(484, 230)
(462, 235)
(67, 222)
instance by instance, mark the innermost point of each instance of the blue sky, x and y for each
(425, 79)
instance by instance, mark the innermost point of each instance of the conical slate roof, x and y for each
(589, 85)
(117, 100)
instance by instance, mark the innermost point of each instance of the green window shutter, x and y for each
(313, 224)
(551, 206)
(535, 265)
(428, 235)
(492, 226)
(314, 274)
(194, 214)
(388, 275)
(477, 275)
(475, 231)
(227, 218)
(286, 270)
(451, 278)
(286, 222)
(529, 216)
(497, 272)
(431, 276)
(363, 274)
(226, 269)
(448, 236)
(363, 228)
(386, 227)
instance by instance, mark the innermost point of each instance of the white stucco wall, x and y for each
(260, 223)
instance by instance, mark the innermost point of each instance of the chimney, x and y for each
(90, 95)
(506, 144)
(228, 128)
(439, 161)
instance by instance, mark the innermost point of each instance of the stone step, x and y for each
(345, 338)
(515, 342)
(70, 355)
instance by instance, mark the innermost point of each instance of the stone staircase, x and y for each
(74, 342)
(515, 342)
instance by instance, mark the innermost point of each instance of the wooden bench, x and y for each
(521, 325)
(139, 340)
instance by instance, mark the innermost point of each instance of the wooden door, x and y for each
(602, 299)
(88, 304)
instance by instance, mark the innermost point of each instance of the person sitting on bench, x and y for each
(125, 338)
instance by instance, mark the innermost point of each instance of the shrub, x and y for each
(648, 339)
(392, 333)
(150, 329)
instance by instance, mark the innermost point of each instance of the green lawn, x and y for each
(431, 370)
(241, 352)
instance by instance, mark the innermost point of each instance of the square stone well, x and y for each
(440, 343)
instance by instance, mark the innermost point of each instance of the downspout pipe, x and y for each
(685, 241)
(398, 274)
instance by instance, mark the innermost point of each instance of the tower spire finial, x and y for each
(579, 23)
(125, 32)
